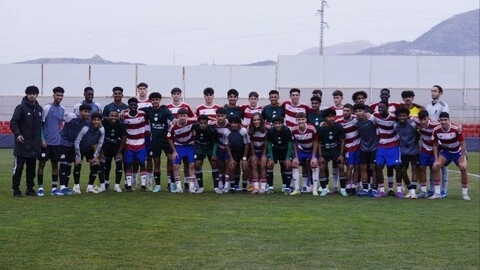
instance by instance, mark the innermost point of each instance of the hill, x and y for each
(95, 60)
(340, 48)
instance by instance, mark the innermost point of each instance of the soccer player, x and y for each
(368, 146)
(88, 94)
(208, 108)
(159, 118)
(414, 108)
(305, 145)
(280, 146)
(314, 116)
(453, 149)
(144, 102)
(361, 97)
(206, 145)
(237, 145)
(352, 148)
(434, 109)
(53, 121)
(26, 126)
(318, 93)
(112, 149)
(249, 109)
(182, 140)
(410, 152)
(88, 144)
(258, 159)
(337, 104)
(331, 137)
(388, 152)
(69, 133)
(220, 125)
(231, 107)
(117, 104)
(294, 106)
(142, 95)
(273, 109)
(425, 128)
(135, 150)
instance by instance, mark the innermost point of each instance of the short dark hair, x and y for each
(408, 93)
(444, 115)
(96, 115)
(182, 111)
(32, 89)
(294, 90)
(278, 118)
(203, 117)
(208, 91)
(301, 115)
(337, 93)
(58, 89)
(117, 88)
(359, 93)
(385, 103)
(232, 92)
(359, 106)
(440, 89)
(142, 84)
(235, 119)
(273, 92)
(348, 106)
(176, 90)
(402, 110)
(422, 114)
(85, 107)
(221, 110)
(87, 89)
(132, 99)
(253, 94)
(316, 98)
(385, 89)
(328, 112)
(155, 95)
(317, 91)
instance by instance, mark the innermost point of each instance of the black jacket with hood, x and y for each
(27, 121)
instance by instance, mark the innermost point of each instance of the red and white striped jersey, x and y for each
(144, 104)
(136, 129)
(174, 109)
(426, 136)
(291, 112)
(248, 113)
(305, 139)
(258, 139)
(210, 111)
(339, 112)
(182, 135)
(385, 131)
(392, 107)
(449, 139)
(220, 131)
(352, 139)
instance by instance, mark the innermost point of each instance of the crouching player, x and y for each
(206, 144)
(453, 149)
(237, 144)
(181, 140)
(89, 143)
(279, 146)
(112, 149)
(305, 148)
(331, 137)
(258, 138)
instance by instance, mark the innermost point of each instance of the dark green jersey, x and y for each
(233, 111)
(279, 139)
(329, 138)
(269, 112)
(113, 132)
(113, 107)
(205, 139)
(315, 119)
(158, 119)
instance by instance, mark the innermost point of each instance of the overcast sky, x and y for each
(193, 32)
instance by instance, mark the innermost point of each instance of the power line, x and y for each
(323, 25)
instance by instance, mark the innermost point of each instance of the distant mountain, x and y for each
(262, 63)
(340, 48)
(95, 60)
(459, 35)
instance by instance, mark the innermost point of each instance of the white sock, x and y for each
(295, 176)
(263, 185)
(61, 187)
(464, 191)
(306, 182)
(143, 178)
(129, 180)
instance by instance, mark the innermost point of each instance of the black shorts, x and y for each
(88, 154)
(237, 156)
(202, 156)
(410, 159)
(331, 158)
(368, 157)
(51, 152)
(156, 147)
(279, 155)
(110, 150)
(67, 154)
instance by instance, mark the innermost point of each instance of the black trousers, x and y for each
(18, 164)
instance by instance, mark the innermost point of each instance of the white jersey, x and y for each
(434, 109)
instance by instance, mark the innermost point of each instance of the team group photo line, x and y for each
(242, 144)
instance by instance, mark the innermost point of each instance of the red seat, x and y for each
(6, 123)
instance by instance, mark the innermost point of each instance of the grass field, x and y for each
(237, 231)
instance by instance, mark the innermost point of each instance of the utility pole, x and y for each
(323, 25)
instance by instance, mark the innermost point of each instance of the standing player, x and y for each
(53, 121)
(112, 149)
(280, 146)
(221, 125)
(26, 126)
(249, 109)
(338, 108)
(135, 151)
(117, 104)
(273, 109)
(319, 93)
(258, 138)
(88, 94)
(208, 108)
(414, 108)
(237, 145)
(144, 102)
(88, 144)
(434, 109)
(232, 108)
(206, 145)
(292, 107)
(453, 149)
(314, 116)
(159, 117)
(305, 145)
(182, 140)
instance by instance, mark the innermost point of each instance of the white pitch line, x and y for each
(469, 174)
